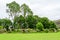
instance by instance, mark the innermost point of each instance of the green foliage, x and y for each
(24, 25)
(0, 22)
(21, 21)
(26, 20)
(13, 7)
(39, 26)
(6, 23)
(37, 18)
(52, 24)
(46, 30)
(26, 10)
(31, 21)
(45, 22)
(1, 27)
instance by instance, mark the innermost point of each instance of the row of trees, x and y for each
(23, 18)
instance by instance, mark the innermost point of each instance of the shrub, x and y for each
(1, 27)
(53, 29)
(46, 30)
(39, 26)
(31, 30)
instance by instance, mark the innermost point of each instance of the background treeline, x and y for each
(23, 20)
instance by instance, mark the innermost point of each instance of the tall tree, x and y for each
(13, 9)
(26, 10)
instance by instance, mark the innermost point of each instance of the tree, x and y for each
(15, 23)
(0, 22)
(31, 21)
(6, 23)
(1, 27)
(26, 10)
(37, 18)
(52, 24)
(19, 20)
(45, 22)
(39, 26)
(13, 9)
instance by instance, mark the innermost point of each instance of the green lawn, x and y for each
(30, 36)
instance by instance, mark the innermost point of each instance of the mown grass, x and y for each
(30, 36)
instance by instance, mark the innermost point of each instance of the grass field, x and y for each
(30, 36)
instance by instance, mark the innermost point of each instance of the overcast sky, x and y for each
(43, 8)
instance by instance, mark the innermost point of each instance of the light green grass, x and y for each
(30, 36)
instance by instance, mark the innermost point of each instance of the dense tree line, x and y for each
(23, 18)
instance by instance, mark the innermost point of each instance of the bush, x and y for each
(1, 27)
(28, 29)
(53, 30)
(32, 30)
(39, 26)
(46, 30)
